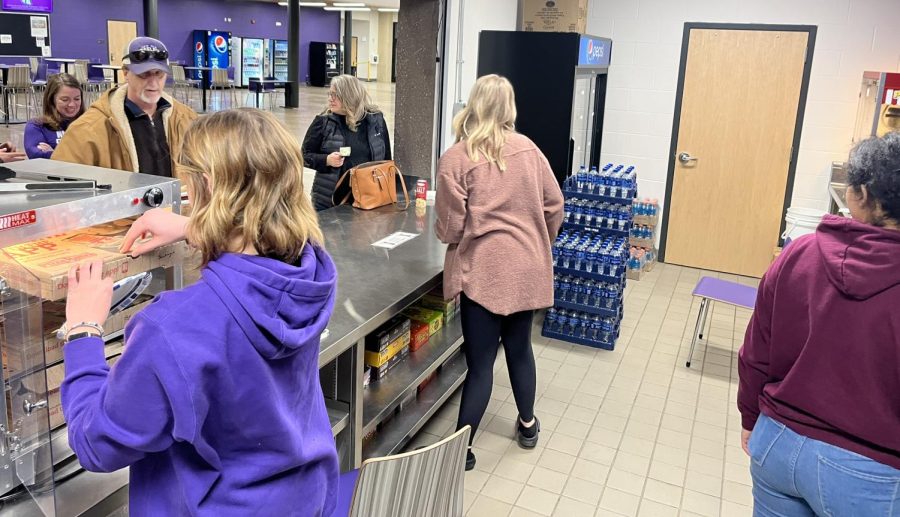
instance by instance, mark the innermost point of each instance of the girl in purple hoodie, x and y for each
(62, 105)
(216, 404)
(819, 370)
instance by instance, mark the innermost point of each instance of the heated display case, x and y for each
(51, 214)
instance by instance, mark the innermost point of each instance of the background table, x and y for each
(114, 68)
(203, 82)
(65, 63)
(289, 101)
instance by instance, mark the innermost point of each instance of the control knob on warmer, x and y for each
(154, 197)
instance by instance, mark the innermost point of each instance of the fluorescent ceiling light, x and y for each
(282, 3)
(313, 4)
(388, 10)
(348, 4)
(346, 8)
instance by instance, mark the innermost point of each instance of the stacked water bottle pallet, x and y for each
(590, 257)
(643, 238)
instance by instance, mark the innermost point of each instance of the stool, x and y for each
(714, 290)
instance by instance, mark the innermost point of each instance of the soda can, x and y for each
(421, 192)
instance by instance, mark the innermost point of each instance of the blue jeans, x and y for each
(797, 476)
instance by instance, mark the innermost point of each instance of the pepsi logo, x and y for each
(220, 44)
(198, 46)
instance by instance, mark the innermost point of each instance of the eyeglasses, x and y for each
(332, 95)
(139, 56)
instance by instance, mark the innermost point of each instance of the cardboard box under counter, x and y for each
(420, 315)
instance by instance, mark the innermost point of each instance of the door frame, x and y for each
(798, 125)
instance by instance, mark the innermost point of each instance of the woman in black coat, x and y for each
(351, 120)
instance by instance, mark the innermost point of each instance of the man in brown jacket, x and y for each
(136, 127)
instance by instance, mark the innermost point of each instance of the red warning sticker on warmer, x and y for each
(8, 222)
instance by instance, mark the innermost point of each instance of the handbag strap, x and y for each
(338, 184)
(402, 184)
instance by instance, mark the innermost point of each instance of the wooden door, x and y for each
(731, 167)
(118, 34)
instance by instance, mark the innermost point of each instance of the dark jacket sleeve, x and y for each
(388, 155)
(312, 144)
(33, 137)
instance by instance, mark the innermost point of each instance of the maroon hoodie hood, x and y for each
(861, 260)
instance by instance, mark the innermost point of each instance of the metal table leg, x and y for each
(698, 328)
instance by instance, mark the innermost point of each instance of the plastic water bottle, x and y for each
(593, 180)
(564, 287)
(552, 319)
(614, 292)
(595, 328)
(562, 321)
(577, 291)
(591, 257)
(588, 292)
(571, 323)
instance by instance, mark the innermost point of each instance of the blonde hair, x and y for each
(355, 98)
(245, 175)
(485, 121)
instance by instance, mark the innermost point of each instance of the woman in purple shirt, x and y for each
(62, 105)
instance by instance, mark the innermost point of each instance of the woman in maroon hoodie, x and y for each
(820, 365)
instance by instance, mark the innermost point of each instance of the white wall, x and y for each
(477, 15)
(365, 28)
(853, 36)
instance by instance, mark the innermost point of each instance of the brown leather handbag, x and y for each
(373, 184)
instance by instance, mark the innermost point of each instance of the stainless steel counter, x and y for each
(375, 283)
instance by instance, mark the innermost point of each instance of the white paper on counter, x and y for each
(395, 239)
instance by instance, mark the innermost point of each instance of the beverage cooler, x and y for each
(278, 58)
(211, 49)
(251, 60)
(543, 67)
(42, 232)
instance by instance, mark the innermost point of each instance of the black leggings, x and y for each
(483, 331)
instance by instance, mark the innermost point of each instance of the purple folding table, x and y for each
(714, 290)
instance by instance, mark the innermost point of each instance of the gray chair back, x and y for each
(428, 481)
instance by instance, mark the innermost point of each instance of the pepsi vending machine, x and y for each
(211, 49)
(560, 84)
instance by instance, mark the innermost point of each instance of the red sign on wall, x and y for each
(8, 222)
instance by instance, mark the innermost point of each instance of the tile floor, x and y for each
(631, 432)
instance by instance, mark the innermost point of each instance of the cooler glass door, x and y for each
(583, 114)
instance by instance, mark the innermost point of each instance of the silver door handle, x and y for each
(686, 158)
(30, 408)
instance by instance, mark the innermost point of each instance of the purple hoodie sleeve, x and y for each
(754, 356)
(117, 416)
(34, 136)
